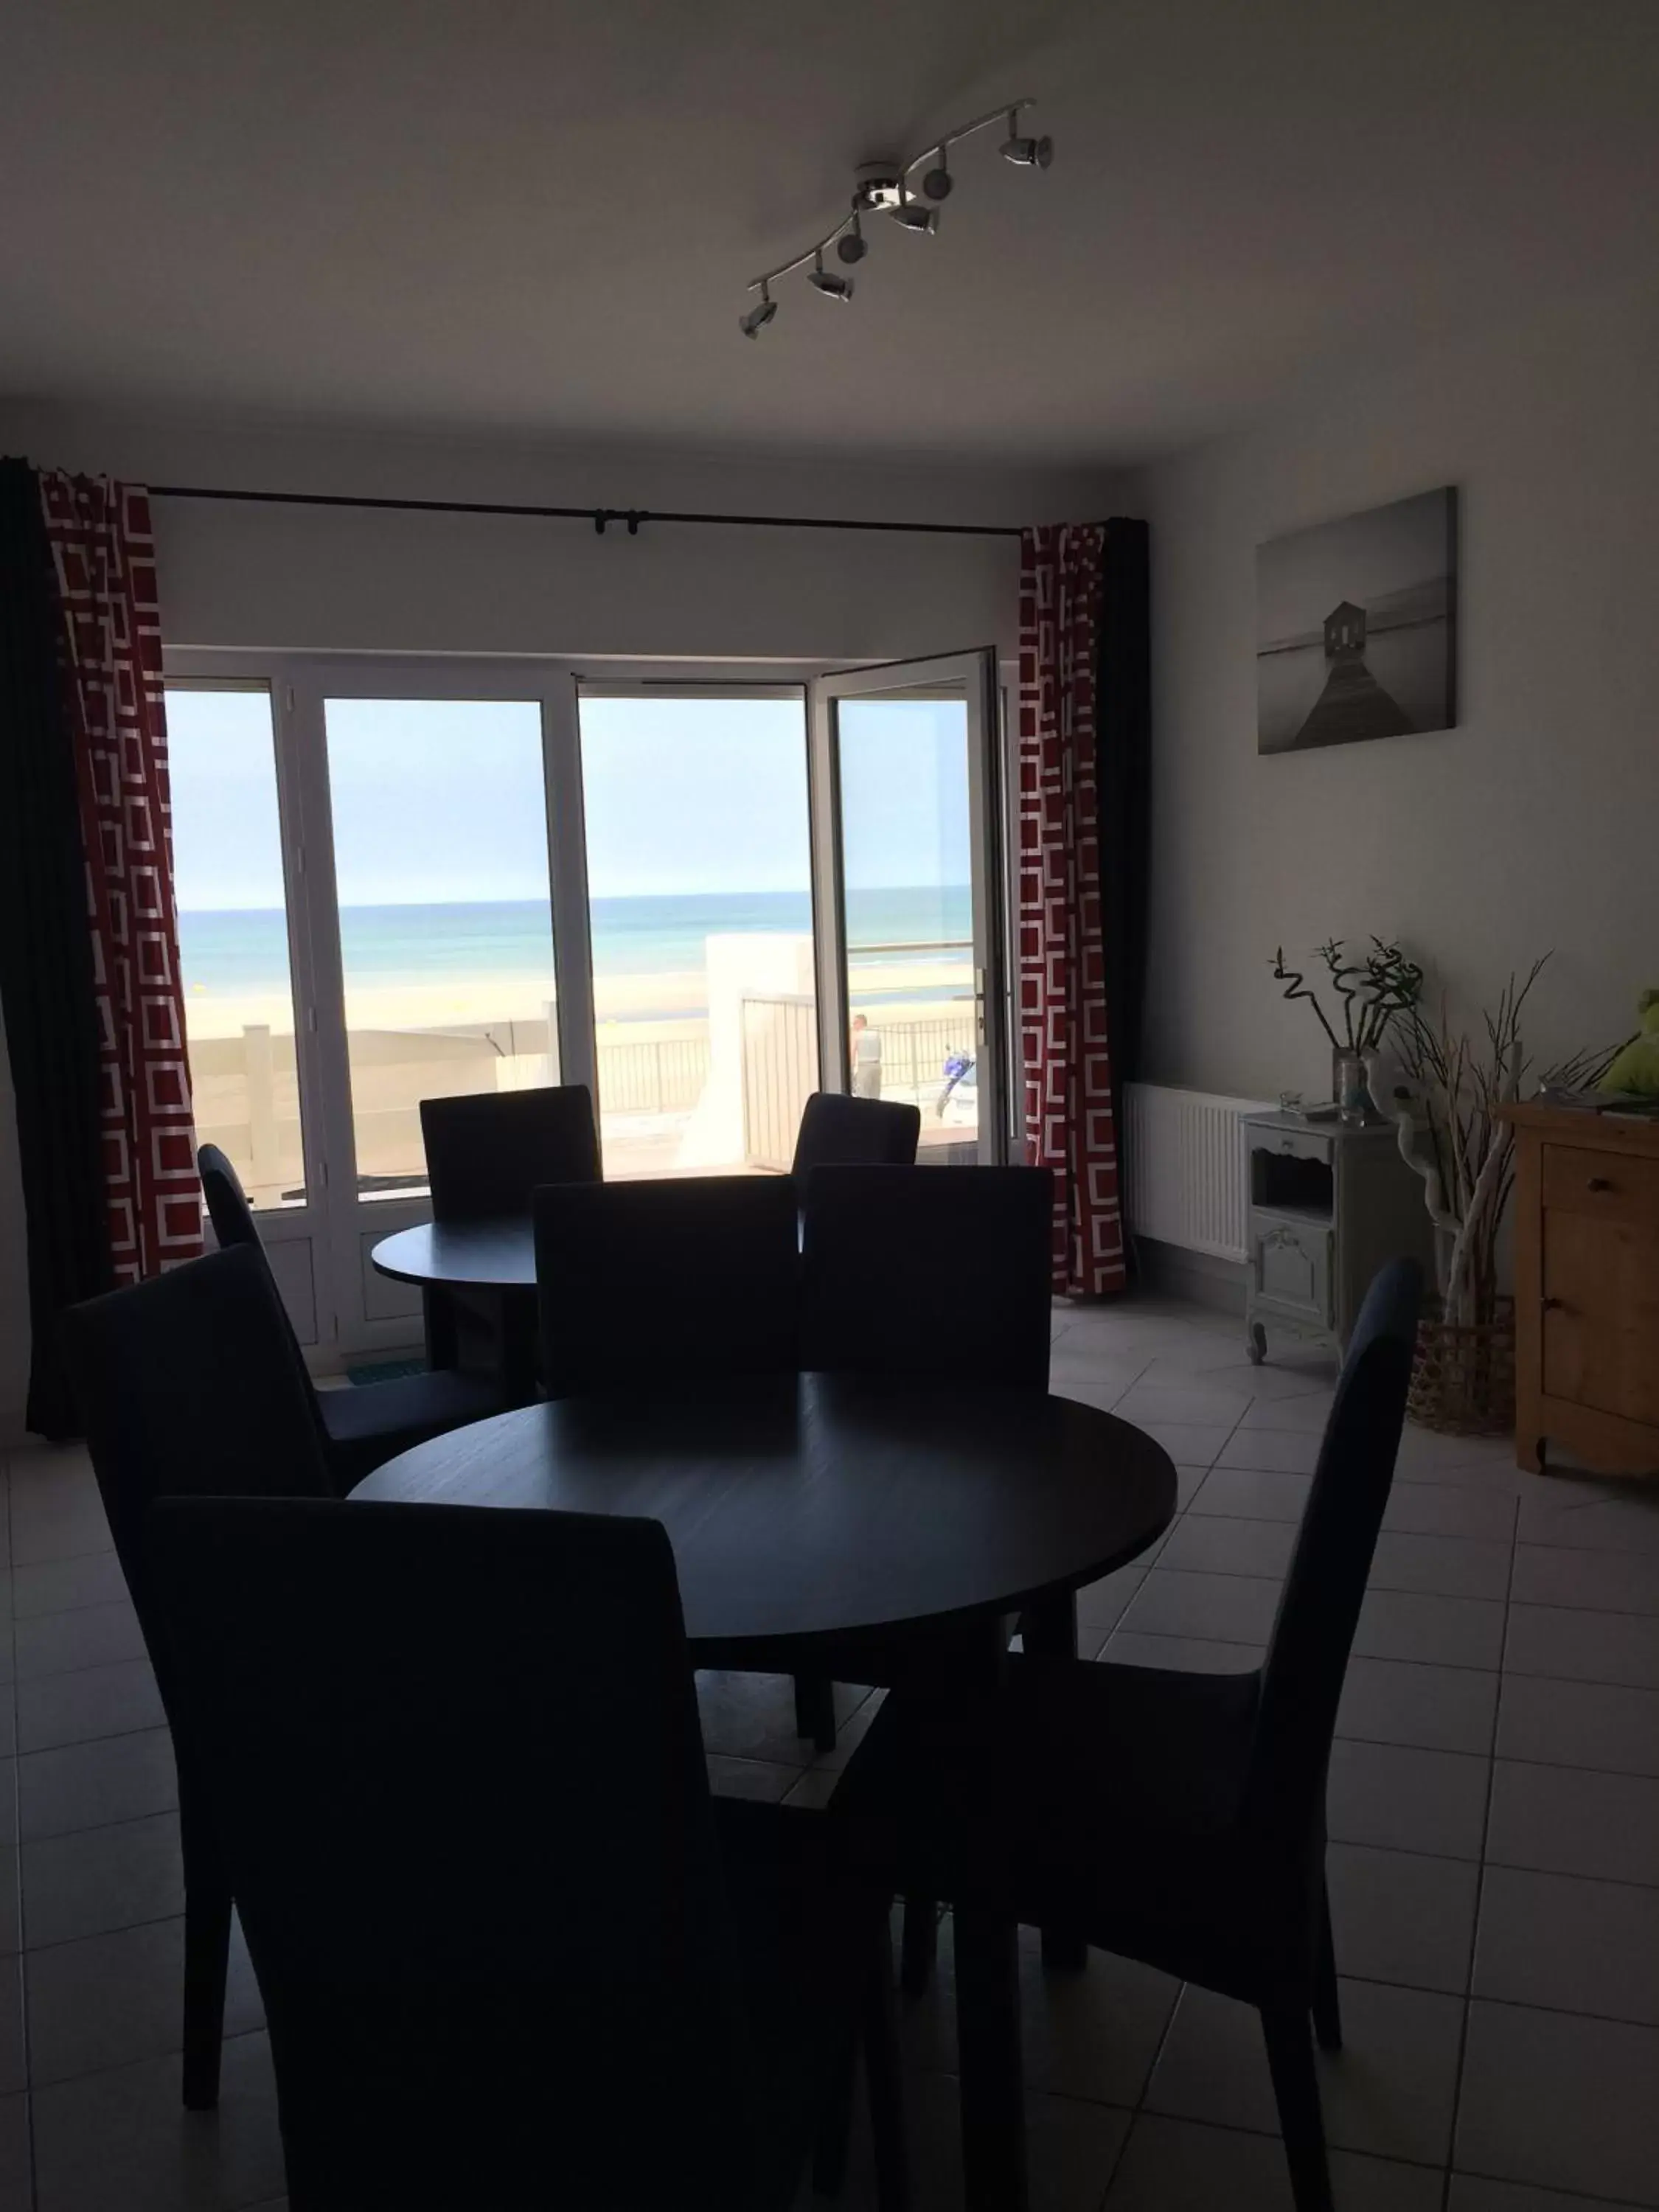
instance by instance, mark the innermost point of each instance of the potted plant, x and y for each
(1448, 1114)
(1371, 993)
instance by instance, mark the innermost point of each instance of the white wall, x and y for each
(320, 579)
(1535, 823)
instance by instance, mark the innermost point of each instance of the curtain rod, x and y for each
(598, 516)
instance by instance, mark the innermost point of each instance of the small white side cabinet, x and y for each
(1329, 1205)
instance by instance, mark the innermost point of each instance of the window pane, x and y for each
(906, 862)
(439, 814)
(700, 888)
(233, 936)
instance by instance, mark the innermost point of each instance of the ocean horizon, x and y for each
(243, 951)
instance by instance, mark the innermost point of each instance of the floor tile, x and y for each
(1444, 1566)
(63, 1585)
(1216, 1544)
(1252, 1494)
(1276, 1451)
(13, 2073)
(1189, 1443)
(1182, 2166)
(103, 1879)
(111, 2000)
(1399, 1917)
(1470, 2194)
(94, 1701)
(1434, 1708)
(1426, 1449)
(816, 1787)
(1187, 1407)
(11, 1915)
(1427, 1508)
(15, 2182)
(90, 1785)
(1091, 2033)
(1587, 1647)
(1597, 1582)
(92, 1636)
(1233, 1608)
(1595, 1516)
(1306, 1414)
(1571, 1944)
(1080, 1356)
(8, 1804)
(1186, 1655)
(1389, 2091)
(1446, 1631)
(750, 1778)
(121, 2141)
(8, 1725)
(1070, 2148)
(753, 1716)
(1561, 1821)
(1092, 1388)
(1613, 1729)
(1100, 1605)
(58, 1522)
(1433, 1801)
(1561, 2102)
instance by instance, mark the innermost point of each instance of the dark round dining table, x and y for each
(489, 1264)
(812, 1513)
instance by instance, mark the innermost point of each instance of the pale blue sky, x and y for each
(442, 801)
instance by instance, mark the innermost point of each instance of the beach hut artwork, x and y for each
(1356, 627)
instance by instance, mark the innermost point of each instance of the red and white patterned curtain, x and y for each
(1062, 985)
(110, 656)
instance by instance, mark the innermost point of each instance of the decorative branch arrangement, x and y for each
(1458, 1083)
(1372, 993)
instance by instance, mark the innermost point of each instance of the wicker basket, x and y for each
(1463, 1379)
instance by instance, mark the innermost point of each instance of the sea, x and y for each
(244, 951)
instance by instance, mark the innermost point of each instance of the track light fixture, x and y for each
(761, 314)
(1025, 153)
(910, 214)
(884, 188)
(823, 280)
(939, 181)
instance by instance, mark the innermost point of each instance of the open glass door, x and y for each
(908, 876)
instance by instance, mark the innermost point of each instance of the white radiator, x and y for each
(1187, 1171)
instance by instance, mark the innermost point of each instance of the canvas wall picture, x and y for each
(1356, 627)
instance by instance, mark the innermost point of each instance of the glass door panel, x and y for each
(700, 905)
(234, 936)
(918, 940)
(440, 824)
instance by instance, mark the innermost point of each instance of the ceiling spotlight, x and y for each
(880, 184)
(759, 315)
(832, 286)
(852, 245)
(939, 181)
(1025, 153)
(910, 214)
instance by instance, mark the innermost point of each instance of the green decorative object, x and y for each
(1636, 1070)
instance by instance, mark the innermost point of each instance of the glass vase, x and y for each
(1349, 1088)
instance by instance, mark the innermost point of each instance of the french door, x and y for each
(912, 936)
(404, 879)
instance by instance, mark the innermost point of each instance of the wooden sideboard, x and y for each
(1587, 1288)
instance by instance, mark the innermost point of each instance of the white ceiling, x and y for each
(540, 214)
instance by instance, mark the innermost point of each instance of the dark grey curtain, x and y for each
(1123, 731)
(47, 985)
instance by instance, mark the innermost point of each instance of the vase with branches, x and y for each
(1371, 993)
(1448, 1113)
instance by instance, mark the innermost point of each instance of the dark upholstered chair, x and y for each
(370, 1422)
(938, 1271)
(1174, 1818)
(192, 1385)
(557, 1976)
(486, 1152)
(836, 1131)
(689, 1276)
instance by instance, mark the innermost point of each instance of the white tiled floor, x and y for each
(1494, 1812)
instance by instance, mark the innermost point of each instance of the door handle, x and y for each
(1599, 1182)
(1553, 1305)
